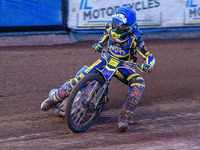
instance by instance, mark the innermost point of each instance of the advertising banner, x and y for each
(94, 14)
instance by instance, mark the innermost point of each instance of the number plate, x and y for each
(113, 62)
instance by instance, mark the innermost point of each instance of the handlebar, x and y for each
(134, 65)
(128, 63)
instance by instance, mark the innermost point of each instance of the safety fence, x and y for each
(91, 16)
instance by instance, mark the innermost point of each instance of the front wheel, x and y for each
(82, 110)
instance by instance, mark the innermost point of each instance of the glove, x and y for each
(146, 68)
(97, 47)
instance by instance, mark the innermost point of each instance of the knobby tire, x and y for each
(68, 117)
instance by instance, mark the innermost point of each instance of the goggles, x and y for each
(116, 25)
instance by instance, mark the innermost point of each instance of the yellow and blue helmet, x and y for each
(123, 24)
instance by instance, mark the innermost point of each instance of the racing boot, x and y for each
(57, 95)
(51, 101)
(129, 107)
(122, 125)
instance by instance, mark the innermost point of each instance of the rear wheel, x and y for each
(82, 110)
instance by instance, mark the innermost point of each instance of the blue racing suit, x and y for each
(125, 51)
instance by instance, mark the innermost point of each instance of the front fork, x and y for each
(103, 91)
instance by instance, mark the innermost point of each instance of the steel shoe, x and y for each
(49, 102)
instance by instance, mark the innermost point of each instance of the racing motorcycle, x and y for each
(88, 97)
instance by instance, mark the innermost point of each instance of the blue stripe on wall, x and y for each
(144, 30)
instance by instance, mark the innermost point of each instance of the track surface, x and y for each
(168, 116)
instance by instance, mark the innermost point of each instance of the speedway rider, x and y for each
(123, 40)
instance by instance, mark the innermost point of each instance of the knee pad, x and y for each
(133, 99)
(135, 79)
(136, 90)
(52, 95)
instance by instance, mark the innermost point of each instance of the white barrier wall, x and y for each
(94, 14)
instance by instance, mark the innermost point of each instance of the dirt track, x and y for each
(167, 118)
